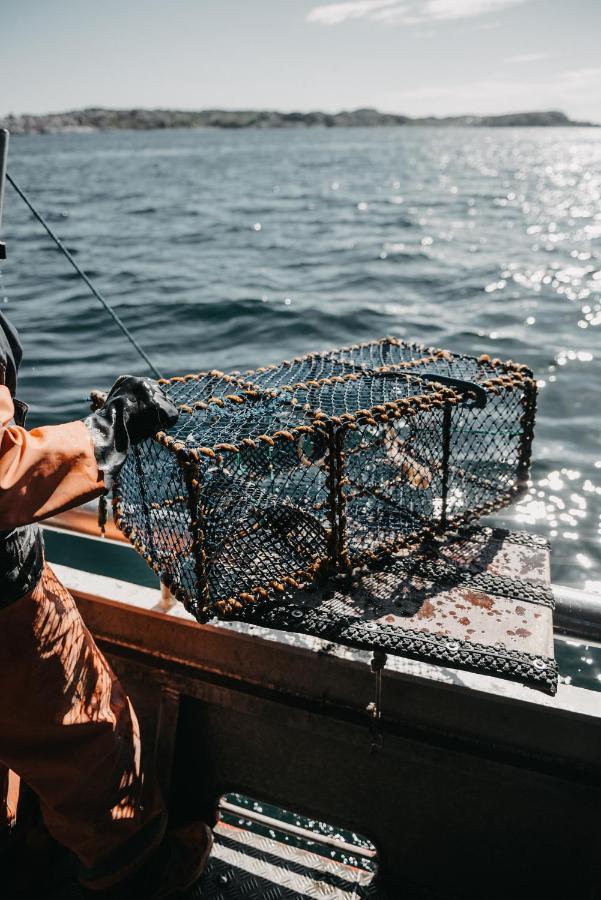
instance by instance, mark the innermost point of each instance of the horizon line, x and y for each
(280, 111)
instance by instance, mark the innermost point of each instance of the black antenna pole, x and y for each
(3, 158)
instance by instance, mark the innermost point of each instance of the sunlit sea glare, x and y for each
(236, 248)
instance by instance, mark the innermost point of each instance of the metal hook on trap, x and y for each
(103, 513)
(378, 661)
(474, 391)
(471, 389)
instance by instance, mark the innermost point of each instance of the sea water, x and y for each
(237, 248)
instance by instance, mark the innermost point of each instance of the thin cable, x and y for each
(83, 275)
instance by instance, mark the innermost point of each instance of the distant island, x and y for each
(98, 119)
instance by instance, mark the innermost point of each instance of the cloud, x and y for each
(409, 12)
(334, 13)
(526, 58)
(464, 9)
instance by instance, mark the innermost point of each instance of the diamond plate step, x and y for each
(249, 866)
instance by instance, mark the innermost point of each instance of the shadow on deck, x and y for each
(243, 865)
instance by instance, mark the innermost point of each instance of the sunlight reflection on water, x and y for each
(234, 249)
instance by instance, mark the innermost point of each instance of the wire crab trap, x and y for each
(281, 476)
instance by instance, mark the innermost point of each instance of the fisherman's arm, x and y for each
(47, 470)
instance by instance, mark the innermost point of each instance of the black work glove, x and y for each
(135, 409)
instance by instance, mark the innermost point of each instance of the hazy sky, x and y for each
(412, 56)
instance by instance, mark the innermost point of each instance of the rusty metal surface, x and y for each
(248, 866)
(513, 554)
(479, 601)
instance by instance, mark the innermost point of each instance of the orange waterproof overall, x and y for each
(67, 728)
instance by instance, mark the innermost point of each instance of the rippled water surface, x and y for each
(239, 248)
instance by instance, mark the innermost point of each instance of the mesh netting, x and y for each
(282, 475)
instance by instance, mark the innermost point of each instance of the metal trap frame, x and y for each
(332, 494)
(285, 475)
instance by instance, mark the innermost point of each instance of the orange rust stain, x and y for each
(427, 611)
(523, 632)
(477, 599)
(464, 620)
